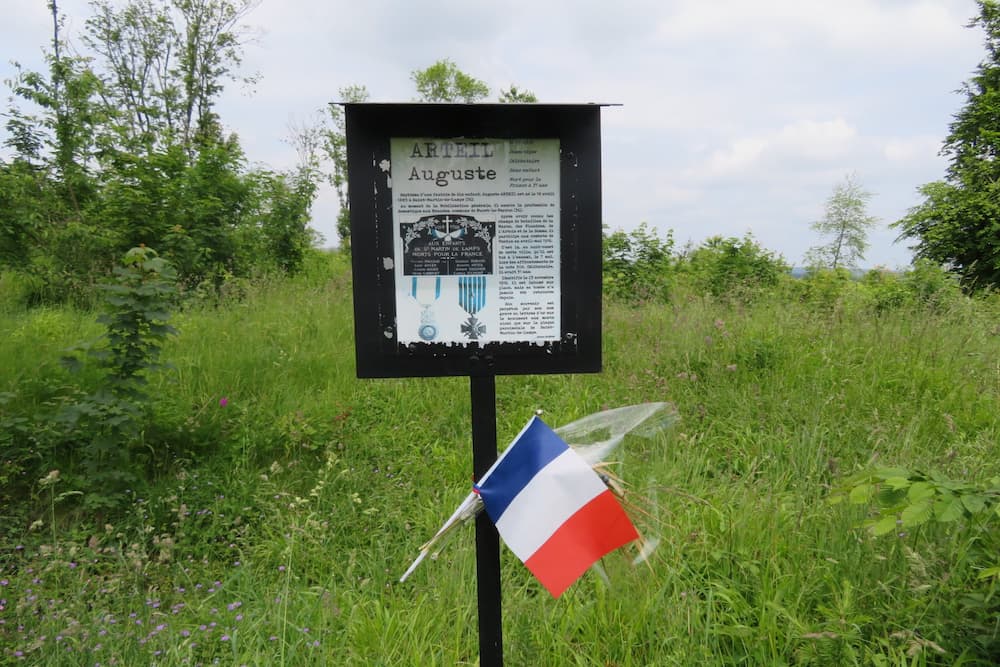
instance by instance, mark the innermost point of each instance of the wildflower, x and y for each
(51, 478)
(223, 402)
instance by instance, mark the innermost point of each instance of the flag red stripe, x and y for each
(597, 528)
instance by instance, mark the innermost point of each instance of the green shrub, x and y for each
(828, 289)
(732, 267)
(105, 427)
(930, 284)
(885, 289)
(638, 265)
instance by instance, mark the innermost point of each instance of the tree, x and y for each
(845, 226)
(335, 147)
(165, 63)
(441, 82)
(958, 223)
(122, 147)
(514, 95)
(444, 82)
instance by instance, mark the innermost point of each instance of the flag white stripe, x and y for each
(553, 495)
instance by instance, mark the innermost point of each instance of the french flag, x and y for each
(551, 508)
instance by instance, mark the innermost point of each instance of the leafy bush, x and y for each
(828, 289)
(885, 289)
(638, 265)
(930, 284)
(961, 522)
(105, 427)
(738, 268)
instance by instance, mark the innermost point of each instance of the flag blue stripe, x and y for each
(537, 446)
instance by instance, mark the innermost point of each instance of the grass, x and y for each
(275, 533)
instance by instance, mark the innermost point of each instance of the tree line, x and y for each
(120, 146)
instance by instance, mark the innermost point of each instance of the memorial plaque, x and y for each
(476, 235)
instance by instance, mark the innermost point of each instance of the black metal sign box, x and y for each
(475, 238)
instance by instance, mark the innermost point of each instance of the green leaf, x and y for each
(918, 513)
(974, 502)
(888, 497)
(886, 473)
(897, 482)
(921, 491)
(861, 494)
(885, 525)
(949, 509)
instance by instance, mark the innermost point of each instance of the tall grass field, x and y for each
(284, 497)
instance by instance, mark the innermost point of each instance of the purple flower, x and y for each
(223, 402)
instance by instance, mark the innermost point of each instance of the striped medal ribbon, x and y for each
(421, 293)
(472, 299)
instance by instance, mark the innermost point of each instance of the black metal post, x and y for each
(484, 453)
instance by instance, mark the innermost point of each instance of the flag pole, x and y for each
(484, 453)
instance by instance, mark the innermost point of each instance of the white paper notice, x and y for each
(477, 240)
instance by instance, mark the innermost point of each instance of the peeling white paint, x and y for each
(387, 333)
(384, 166)
(387, 263)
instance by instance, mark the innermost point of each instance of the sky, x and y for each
(736, 117)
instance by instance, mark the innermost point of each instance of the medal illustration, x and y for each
(472, 298)
(421, 293)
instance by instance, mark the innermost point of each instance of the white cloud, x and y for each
(909, 149)
(893, 29)
(737, 115)
(812, 141)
